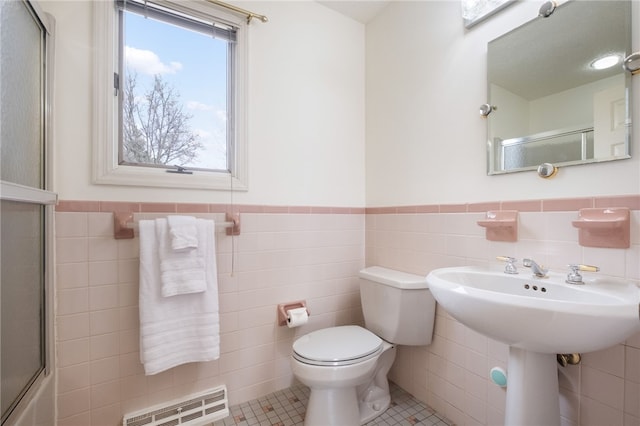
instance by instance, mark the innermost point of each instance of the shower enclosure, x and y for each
(25, 203)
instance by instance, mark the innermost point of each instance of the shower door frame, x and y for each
(44, 197)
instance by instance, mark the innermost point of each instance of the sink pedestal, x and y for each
(532, 390)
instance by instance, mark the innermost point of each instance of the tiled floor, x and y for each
(286, 408)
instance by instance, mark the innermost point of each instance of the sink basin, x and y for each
(538, 318)
(539, 314)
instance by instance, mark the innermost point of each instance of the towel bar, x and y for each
(123, 225)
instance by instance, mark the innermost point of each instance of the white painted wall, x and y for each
(306, 110)
(426, 78)
(425, 142)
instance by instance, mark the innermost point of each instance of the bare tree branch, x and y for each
(155, 128)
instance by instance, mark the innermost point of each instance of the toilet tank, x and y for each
(397, 306)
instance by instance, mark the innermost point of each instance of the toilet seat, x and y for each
(337, 346)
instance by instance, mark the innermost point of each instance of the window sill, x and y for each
(151, 177)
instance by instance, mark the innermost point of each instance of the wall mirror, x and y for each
(548, 103)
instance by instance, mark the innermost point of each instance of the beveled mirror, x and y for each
(548, 102)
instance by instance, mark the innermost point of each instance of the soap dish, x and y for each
(604, 227)
(501, 225)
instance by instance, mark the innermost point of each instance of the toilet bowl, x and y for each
(346, 367)
(341, 379)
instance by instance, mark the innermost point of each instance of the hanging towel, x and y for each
(183, 232)
(181, 272)
(180, 329)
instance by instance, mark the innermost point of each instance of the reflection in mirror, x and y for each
(551, 104)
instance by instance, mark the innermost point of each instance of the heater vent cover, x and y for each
(195, 410)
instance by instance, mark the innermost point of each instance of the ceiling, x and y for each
(360, 10)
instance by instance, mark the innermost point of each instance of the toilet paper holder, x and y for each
(284, 307)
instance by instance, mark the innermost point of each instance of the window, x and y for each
(25, 204)
(172, 113)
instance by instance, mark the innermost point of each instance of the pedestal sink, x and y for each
(538, 318)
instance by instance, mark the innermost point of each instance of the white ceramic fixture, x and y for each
(538, 318)
(346, 367)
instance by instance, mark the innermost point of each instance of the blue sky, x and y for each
(195, 65)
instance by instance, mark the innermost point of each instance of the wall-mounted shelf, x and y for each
(501, 225)
(604, 227)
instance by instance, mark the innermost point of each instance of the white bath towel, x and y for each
(180, 329)
(183, 232)
(181, 272)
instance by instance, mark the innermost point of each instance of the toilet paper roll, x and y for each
(297, 317)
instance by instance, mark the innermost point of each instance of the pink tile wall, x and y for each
(290, 253)
(451, 374)
(279, 257)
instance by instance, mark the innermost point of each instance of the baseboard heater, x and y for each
(194, 410)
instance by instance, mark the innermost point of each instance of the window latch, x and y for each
(116, 83)
(180, 170)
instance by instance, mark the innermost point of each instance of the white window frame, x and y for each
(106, 169)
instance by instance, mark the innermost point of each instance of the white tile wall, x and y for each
(277, 258)
(282, 257)
(603, 390)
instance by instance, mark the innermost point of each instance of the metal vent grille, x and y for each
(195, 410)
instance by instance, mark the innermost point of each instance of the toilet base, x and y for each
(374, 397)
(333, 407)
(376, 404)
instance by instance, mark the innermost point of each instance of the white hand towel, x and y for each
(183, 232)
(181, 329)
(181, 272)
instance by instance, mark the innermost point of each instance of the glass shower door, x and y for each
(22, 299)
(24, 201)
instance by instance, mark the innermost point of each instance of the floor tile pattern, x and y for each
(286, 408)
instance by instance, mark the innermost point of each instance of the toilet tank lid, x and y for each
(394, 278)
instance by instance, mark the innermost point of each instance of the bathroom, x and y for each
(365, 148)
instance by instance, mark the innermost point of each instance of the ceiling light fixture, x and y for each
(605, 62)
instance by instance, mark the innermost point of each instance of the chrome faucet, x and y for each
(510, 267)
(538, 270)
(574, 276)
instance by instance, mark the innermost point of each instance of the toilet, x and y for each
(346, 367)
